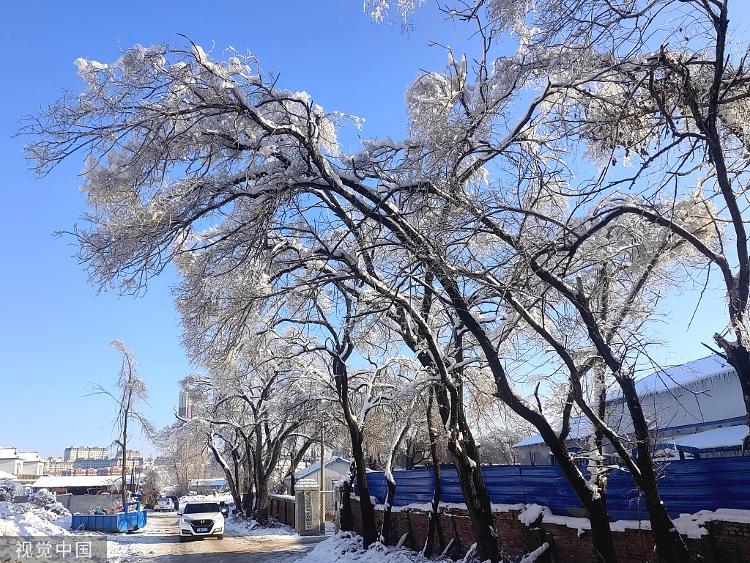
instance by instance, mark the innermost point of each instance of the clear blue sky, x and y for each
(55, 329)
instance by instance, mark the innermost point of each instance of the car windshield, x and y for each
(195, 507)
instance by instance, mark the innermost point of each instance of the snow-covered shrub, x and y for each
(7, 490)
(45, 499)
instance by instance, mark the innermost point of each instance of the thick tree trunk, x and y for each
(231, 483)
(433, 521)
(465, 455)
(262, 500)
(477, 500)
(594, 503)
(345, 520)
(738, 357)
(367, 511)
(669, 544)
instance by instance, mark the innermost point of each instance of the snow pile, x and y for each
(691, 525)
(533, 512)
(46, 500)
(346, 547)
(7, 489)
(234, 526)
(26, 519)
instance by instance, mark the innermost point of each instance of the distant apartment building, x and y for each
(84, 463)
(163, 460)
(57, 466)
(74, 453)
(185, 409)
(133, 458)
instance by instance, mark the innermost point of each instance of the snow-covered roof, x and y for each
(717, 438)
(8, 453)
(6, 475)
(313, 467)
(57, 481)
(29, 456)
(683, 375)
(580, 429)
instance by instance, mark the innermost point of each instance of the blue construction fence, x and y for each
(686, 486)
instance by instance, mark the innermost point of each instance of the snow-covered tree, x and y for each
(466, 245)
(131, 390)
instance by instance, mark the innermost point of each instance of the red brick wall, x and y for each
(282, 509)
(726, 542)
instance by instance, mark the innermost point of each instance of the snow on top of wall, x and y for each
(684, 375)
(689, 525)
(427, 506)
(716, 438)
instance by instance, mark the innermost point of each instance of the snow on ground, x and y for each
(234, 526)
(25, 519)
(346, 547)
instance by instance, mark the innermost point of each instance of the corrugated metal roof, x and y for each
(717, 438)
(580, 429)
(57, 481)
(313, 467)
(683, 375)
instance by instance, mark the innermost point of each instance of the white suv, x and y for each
(165, 503)
(199, 519)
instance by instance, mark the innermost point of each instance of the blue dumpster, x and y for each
(121, 522)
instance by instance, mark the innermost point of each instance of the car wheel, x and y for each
(220, 537)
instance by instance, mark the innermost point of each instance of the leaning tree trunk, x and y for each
(231, 482)
(601, 535)
(594, 503)
(367, 511)
(385, 530)
(433, 521)
(465, 455)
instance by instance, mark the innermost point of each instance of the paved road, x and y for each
(159, 542)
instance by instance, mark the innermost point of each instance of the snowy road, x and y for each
(159, 542)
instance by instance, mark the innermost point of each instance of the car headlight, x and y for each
(185, 519)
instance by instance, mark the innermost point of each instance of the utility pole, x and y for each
(322, 481)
